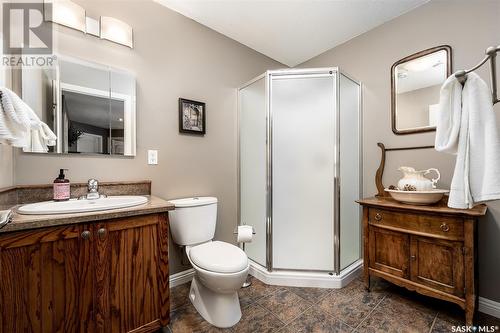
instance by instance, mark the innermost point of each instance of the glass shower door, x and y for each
(253, 186)
(350, 171)
(303, 148)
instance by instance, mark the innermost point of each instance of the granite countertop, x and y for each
(24, 222)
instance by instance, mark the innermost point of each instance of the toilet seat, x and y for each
(219, 257)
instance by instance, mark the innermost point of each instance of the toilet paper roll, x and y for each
(245, 234)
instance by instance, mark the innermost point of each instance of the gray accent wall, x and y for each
(469, 27)
(173, 57)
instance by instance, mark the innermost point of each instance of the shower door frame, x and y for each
(269, 157)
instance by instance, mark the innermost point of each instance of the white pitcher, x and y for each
(412, 177)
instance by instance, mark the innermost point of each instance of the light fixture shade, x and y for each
(93, 27)
(65, 12)
(116, 31)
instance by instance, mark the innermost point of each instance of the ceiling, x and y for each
(100, 112)
(422, 72)
(291, 31)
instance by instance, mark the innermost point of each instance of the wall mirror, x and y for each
(90, 107)
(415, 84)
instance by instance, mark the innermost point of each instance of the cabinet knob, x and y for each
(101, 233)
(413, 257)
(86, 234)
(378, 217)
(445, 227)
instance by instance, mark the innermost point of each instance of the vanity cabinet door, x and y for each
(132, 274)
(438, 264)
(389, 251)
(47, 280)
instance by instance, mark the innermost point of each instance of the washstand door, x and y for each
(47, 280)
(438, 264)
(389, 251)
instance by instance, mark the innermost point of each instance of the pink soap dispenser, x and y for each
(61, 187)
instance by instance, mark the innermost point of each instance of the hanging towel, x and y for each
(466, 127)
(14, 126)
(20, 126)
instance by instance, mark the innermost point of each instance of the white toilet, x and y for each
(221, 268)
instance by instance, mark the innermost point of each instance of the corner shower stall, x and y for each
(300, 172)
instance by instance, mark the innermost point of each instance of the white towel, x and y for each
(14, 127)
(21, 127)
(466, 126)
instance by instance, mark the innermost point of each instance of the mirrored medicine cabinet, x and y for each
(90, 107)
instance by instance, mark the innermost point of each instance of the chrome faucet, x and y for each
(92, 190)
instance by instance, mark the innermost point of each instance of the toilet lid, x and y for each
(220, 257)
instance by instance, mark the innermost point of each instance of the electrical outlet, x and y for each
(152, 157)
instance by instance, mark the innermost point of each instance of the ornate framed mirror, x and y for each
(415, 84)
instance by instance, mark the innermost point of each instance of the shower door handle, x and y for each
(336, 184)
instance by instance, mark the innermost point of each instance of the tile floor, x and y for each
(386, 308)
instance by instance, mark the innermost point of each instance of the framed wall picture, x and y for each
(192, 117)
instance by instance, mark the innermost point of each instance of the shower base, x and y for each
(291, 278)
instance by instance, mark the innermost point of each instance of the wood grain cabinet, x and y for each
(428, 249)
(389, 251)
(106, 276)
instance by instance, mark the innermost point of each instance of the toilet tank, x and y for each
(193, 220)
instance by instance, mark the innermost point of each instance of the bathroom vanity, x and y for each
(429, 249)
(101, 271)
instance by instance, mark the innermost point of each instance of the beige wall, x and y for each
(6, 166)
(173, 57)
(6, 152)
(468, 27)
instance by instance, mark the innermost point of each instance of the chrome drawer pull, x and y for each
(86, 234)
(378, 217)
(445, 227)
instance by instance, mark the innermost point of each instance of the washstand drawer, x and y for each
(437, 226)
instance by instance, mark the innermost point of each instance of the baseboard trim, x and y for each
(180, 278)
(489, 307)
(306, 279)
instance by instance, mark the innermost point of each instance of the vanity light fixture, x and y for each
(65, 12)
(402, 74)
(92, 27)
(116, 31)
(69, 14)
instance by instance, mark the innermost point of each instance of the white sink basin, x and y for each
(81, 206)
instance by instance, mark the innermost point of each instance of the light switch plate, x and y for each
(152, 157)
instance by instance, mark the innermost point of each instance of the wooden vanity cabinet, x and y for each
(132, 270)
(46, 281)
(106, 276)
(428, 249)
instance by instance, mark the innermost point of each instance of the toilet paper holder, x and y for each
(247, 283)
(236, 230)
